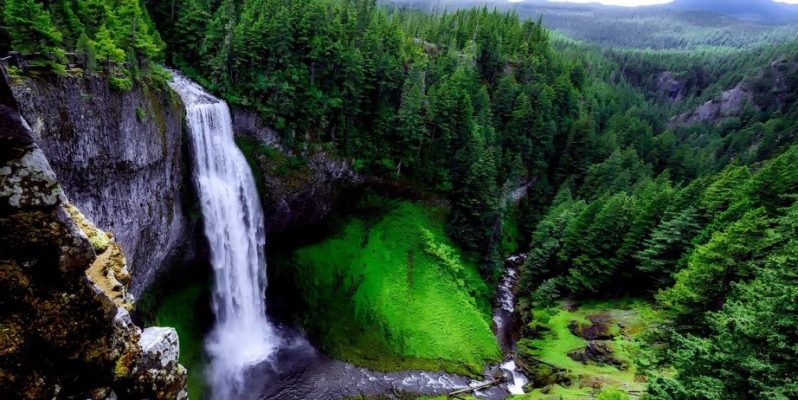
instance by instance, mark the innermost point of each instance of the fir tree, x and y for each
(33, 34)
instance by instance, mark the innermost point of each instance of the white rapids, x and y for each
(234, 227)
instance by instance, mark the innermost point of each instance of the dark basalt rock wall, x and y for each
(304, 195)
(120, 158)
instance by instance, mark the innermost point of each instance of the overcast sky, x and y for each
(632, 3)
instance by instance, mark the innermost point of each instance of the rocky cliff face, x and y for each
(669, 86)
(65, 331)
(119, 158)
(294, 195)
(775, 88)
(728, 104)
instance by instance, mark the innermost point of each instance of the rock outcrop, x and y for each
(295, 194)
(119, 158)
(727, 105)
(65, 330)
(669, 87)
(772, 89)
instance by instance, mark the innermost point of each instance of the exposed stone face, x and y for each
(119, 159)
(301, 197)
(727, 105)
(247, 124)
(772, 88)
(668, 86)
(64, 332)
(159, 346)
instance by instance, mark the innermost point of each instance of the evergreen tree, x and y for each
(411, 125)
(86, 53)
(667, 244)
(712, 268)
(33, 34)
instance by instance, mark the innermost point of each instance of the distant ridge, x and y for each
(748, 10)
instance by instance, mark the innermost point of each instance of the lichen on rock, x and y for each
(65, 331)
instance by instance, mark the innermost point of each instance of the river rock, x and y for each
(601, 327)
(597, 351)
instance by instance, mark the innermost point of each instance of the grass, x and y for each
(557, 392)
(392, 293)
(552, 346)
(178, 310)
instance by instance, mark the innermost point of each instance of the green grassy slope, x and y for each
(393, 293)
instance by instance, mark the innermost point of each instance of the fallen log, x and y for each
(475, 388)
(527, 369)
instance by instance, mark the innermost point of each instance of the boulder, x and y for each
(596, 351)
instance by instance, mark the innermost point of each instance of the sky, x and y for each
(633, 3)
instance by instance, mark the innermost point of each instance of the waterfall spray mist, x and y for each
(242, 336)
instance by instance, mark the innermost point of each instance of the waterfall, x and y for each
(233, 219)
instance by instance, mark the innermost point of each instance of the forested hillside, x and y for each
(667, 177)
(681, 25)
(466, 104)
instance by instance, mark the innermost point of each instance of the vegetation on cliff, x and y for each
(116, 39)
(65, 330)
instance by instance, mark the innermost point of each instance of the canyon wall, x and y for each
(120, 159)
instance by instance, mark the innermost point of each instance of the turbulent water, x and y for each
(233, 219)
(505, 318)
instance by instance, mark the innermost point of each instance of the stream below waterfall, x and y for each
(299, 371)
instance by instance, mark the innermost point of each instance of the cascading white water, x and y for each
(233, 220)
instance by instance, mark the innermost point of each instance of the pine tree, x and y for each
(411, 125)
(668, 243)
(86, 53)
(216, 49)
(33, 34)
(193, 19)
(730, 256)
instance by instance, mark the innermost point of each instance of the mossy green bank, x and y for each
(391, 292)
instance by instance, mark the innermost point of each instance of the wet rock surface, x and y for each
(65, 333)
(601, 327)
(119, 159)
(596, 351)
(294, 197)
